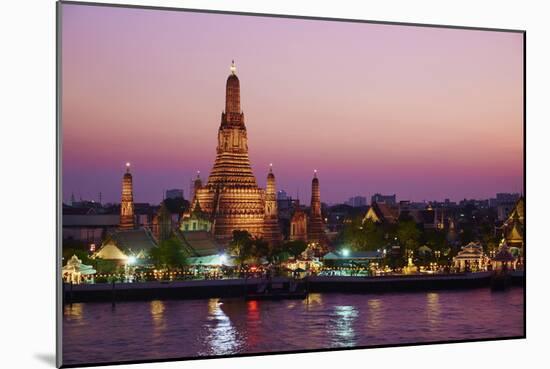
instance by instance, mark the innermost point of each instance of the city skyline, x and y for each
(446, 124)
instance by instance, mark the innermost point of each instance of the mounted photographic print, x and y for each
(238, 184)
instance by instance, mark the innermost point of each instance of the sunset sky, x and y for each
(426, 113)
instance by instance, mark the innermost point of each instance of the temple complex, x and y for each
(127, 201)
(231, 198)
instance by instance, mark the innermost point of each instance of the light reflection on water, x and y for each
(157, 315)
(73, 311)
(94, 332)
(221, 337)
(344, 333)
(433, 308)
(375, 315)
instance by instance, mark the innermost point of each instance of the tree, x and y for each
(262, 249)
(373, 236)
(169, 254)
(408, 234)
(295, 248)
(352, 234)
(241, 246)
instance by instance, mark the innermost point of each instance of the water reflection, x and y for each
(222, 337)
(157, 315)
(433, 308)
(374, 314)
(74, 312)
(313, 299)
(252, 323)
(145, 330)
(344, 331)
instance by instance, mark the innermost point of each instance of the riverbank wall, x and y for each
(235, 288)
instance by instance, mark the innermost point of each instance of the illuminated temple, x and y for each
(127, 201)
(231, 197)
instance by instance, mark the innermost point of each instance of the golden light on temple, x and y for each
(231, 196)
(127, 201)
(315, 227)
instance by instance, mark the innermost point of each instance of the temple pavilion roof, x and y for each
(198, 243)
(472, 250)
(122, 243)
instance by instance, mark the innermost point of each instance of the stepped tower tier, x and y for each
(127, 201)
(231, 196)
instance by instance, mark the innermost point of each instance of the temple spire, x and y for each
(233, 112)
(316, 229)
(271, 232)
(315, 196)
(127, 201)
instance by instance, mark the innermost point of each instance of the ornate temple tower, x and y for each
(197, 184)
(298, 224)
(316, 228)
(127, 201)
(231, 197)
(271, 231)
(162, 223)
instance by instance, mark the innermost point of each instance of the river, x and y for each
(96, 333)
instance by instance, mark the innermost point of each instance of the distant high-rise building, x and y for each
(127, 201)
(505, 203)
(507, 200)
(174, 193)
(282, 195)
(357, 201)
(383, 199)
(508, 197)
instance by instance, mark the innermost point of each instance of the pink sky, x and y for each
(427, 113)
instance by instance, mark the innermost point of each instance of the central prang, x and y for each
(231, 198)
